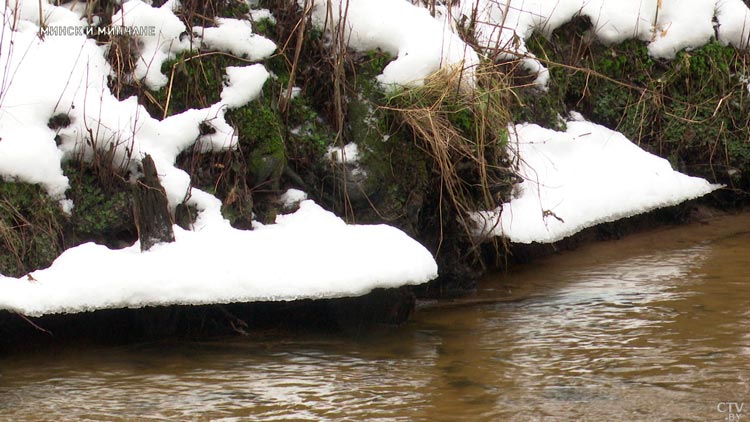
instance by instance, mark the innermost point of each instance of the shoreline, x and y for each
(389, 307)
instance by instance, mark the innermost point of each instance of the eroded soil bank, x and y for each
(692, 110)
(120, 326)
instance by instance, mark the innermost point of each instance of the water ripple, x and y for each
(659, 333)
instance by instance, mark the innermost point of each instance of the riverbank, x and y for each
(441, 148)
(357, 315)
(652, 326)
(20, 333)
(688, 214)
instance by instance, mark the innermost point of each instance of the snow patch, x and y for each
(669, 26)
(291, 198)
(31, 11)
(236, 36)
(285, 261)
(154, 49)
(214, 263)
(348, 154)
(422, 44)
(261, 14)
(243, 84)
(582, 177)
(733, 20)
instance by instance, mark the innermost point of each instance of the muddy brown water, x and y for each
(654, 327)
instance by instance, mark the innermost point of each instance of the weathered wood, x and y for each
(151, 208)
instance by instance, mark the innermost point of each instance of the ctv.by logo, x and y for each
(732, 409)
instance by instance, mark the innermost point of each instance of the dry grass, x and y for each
(465, 134)
(27, 238)
(11, 239)
(462, 131)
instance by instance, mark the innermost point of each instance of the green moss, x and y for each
(102, 209)
(34, 231)
(253, 170)
(30, 228)
(410, 170)
(308, 131)
(200, 12)
(367, 123)
(368, 66)
(261, 133)
(265, 27)
(197, 82)
(387, 150)
(398, 176)
(693, 110)
(237, 9)
(258, 163)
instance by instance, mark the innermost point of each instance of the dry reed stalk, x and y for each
(428, 112)
(300, 28)
(11, 238)
(18, 236)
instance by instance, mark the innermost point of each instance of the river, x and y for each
(653, 327)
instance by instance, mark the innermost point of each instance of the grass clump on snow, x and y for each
(465, 134)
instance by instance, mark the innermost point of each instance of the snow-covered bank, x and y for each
(590, 174)
(668, 26)
(310, 254)
(306, 255)
(584, 176)
(422, 45)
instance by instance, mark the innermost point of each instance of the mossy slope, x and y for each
(693, 110)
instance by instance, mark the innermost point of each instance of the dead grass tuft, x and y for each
(465, 134)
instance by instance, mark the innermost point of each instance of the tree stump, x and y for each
(151, 208)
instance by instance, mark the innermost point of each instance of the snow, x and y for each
(243, 84)
(308, 254)
(733, 19)
(680, 27)
(236, 36)
(348, 154)
(569, 176)
(584, 176)
(154, 49)
(29, 99)
(29, 11)
(295, 93)
(422, 44)
(292, 197)
(261, 14)
(28, 151)
(668, 26)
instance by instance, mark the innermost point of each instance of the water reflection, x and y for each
(655, 327)
(208, 382)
